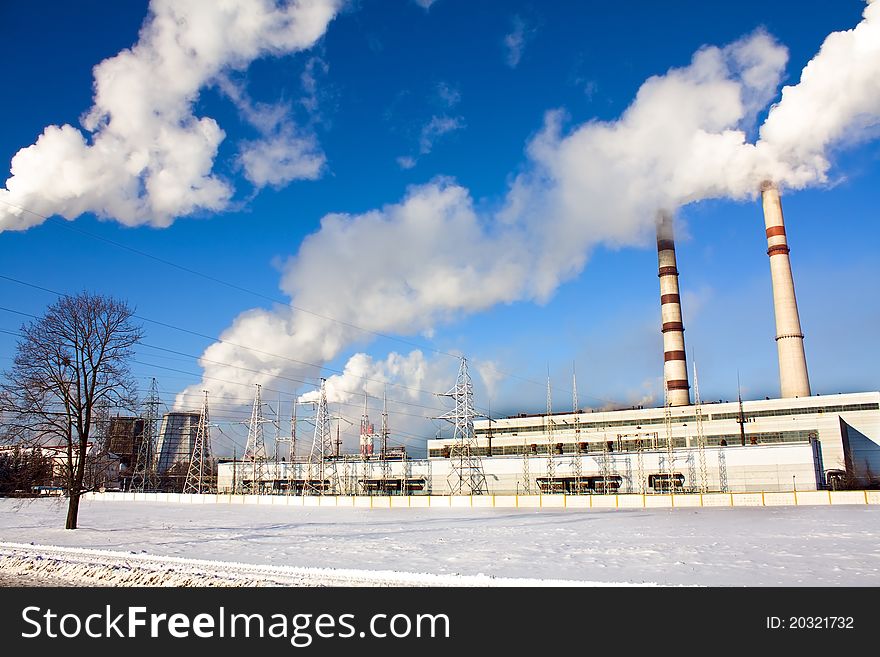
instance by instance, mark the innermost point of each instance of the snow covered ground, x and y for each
(770, 546)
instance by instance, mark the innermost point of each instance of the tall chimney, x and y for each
(675, 372)
(793, 379)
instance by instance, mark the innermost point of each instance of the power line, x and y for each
(214, 279)
(220, 281)
(320, 367)
(397, 401)
(216, 340)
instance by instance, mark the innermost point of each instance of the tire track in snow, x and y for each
(82, 566)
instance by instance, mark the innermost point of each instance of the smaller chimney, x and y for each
(675, 374)
(793, 378)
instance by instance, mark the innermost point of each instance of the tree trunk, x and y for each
(72, 510)
(76, 486)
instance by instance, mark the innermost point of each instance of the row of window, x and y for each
(630, 445)
(800, 411)
(564, 426)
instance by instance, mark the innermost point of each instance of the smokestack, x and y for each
(675, 372)
(793, 379)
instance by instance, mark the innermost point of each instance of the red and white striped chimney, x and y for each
(793, 378)
(675, 374)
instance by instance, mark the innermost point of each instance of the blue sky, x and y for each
(403, 95)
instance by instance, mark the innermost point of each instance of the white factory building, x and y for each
(799, 441)
(804, 443)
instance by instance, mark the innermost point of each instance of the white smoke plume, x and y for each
(363, 374)
(428, 259)
(404, 378)
(836, 102)
(145, 157)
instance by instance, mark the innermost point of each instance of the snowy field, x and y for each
(771, 546)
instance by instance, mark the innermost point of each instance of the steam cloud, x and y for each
(683, 139)
(145, 157)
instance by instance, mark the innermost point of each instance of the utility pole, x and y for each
(551, 463)
(577, 465)
(291, 444)
(366, 442)
(489, 433)
(386, 466)
(670, 454)
(701, 438)
(640, 464)
(527, 479)
(741, 418)
(235, 482)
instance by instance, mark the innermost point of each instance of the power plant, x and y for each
(795, 442)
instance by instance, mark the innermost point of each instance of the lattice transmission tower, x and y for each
(670, 446)
(255, 457)
(145, 477)
(322, 478)
(101, 421)
(291, 443)
(466, 476)
(526, 476)
(701, 437)
(386, 465)
(577, 469)
(200, 474)
(551, 462)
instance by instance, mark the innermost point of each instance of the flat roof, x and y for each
(708, 408)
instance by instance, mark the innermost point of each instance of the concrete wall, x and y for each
(793, 498)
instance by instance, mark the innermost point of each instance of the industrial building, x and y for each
(796, 442)
(124, 438)
(177, 437)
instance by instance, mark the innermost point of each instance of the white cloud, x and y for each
(425, 4)
(145, 157)
(284, 152)
(406, 373)
(315, 67)
(433, 130)
(449, 95)
(515, 41)
(682, 139)
(436, 128)
(281, 157)
(836, 101)
(490, 375)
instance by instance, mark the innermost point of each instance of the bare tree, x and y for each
(69, 363)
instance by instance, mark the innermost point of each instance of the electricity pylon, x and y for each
(145, 477)
(577, 465)
(255, 451)
(551, 463)
(200, 473)
(701, 438)
(321, 464)
(466, 476)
